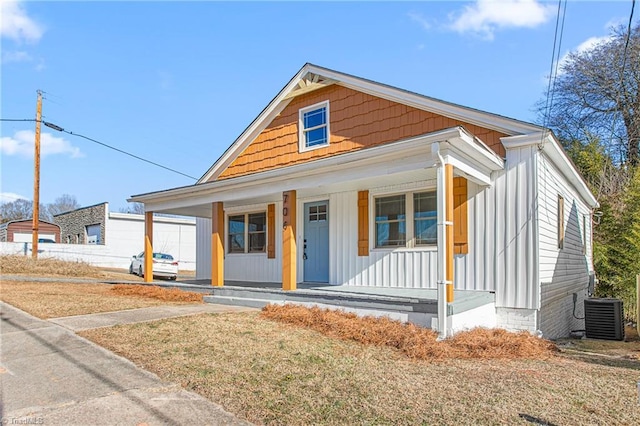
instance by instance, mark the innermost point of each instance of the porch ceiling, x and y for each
(404, 161)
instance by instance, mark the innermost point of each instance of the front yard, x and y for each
(276, 373)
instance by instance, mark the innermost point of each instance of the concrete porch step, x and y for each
(259, 297)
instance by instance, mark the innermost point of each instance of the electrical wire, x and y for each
(119, 150)
(60, 129)
(626, 44)
(553, 74)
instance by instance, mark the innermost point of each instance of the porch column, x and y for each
(444, 192)
(448, 175)
(289, 256)
(217, 244)
(148, 247)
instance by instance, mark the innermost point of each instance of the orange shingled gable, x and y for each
(357, 121)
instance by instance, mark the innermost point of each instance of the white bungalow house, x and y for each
(352, 184)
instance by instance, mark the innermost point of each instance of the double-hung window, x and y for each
(391, 221)
(425, 217)
(247, 233)
(314, 126)
(406, 220)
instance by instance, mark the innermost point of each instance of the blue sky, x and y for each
(177, 82)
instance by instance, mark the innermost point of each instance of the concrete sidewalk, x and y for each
(153, 313)
(52, 376)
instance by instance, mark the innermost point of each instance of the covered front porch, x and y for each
(348, 183)
(419, 306)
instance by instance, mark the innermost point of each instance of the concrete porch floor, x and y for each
(410, 299)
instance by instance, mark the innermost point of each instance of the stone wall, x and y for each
(73, 224)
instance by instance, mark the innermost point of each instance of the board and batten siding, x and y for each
(500, 233)
(566, 270)
(256, 267)
(515, 231)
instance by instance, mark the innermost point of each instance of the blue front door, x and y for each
(316, 242)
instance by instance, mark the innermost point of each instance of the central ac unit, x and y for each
(603, 319)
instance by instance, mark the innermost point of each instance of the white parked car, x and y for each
(163, 265)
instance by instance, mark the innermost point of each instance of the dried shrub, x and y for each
(12, 264)
(414, 341)
(155, 292)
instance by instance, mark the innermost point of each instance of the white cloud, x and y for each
(16, 25)
(15, 56)
(22, 144)
(484, 17)
(585, 46)
(9, 197)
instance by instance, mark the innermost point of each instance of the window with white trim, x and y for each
(392, 229)
(314, 126)
(425, 217)
(246, 233)
(391, 221)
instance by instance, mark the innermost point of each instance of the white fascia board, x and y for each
(547, 143)
(292, 175)
(518, 141)
(468, 115)
(477, 151)
(481, 177)
(409, 154)
(403, 156)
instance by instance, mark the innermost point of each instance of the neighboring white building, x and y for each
(345, 181)
(123, 235)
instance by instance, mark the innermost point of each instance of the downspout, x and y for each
(441, 246)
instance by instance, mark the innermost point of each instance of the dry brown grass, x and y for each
(59, 299)
(415, 342)
(275, 373)
(155, 292)
(47, 266)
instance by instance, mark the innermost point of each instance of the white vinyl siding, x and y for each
(562, 271)
(510, 223)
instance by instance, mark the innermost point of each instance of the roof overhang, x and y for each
(312, 77)
(549, 145)
(471, 158)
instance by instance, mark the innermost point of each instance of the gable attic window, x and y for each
(314, 126)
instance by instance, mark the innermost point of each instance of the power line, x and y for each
(60, 129)
(555, 58)
(626, 44)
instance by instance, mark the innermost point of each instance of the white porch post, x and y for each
(441, 247)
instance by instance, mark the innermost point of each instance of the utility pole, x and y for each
(36, 180)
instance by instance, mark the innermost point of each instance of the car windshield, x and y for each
(162, 256)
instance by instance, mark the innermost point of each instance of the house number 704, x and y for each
(285, 210)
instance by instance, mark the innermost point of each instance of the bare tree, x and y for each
(596, 95)
(21, 209)
(135, 208)
(62, 204)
